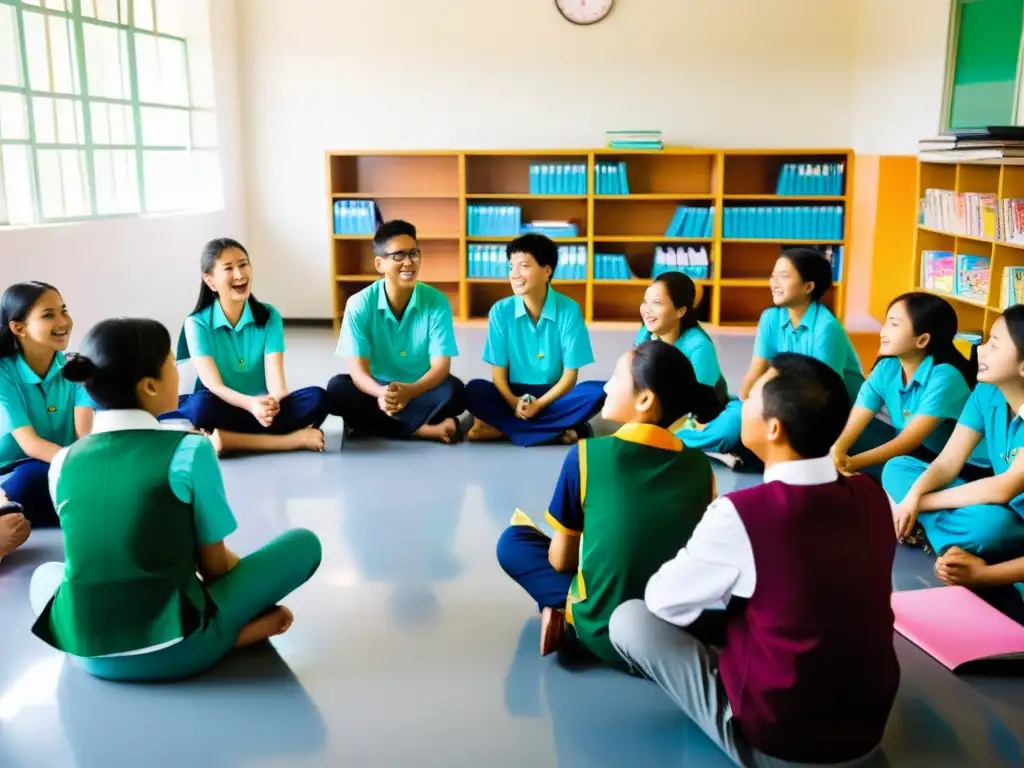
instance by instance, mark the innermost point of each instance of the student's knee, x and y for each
(629, 625)
(302, 548)
(995, 531)
(899, 474)
(509, 548)
(455, 392)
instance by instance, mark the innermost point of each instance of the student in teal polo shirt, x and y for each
(40, 410)
(237, 345)
(922, 380)
(536, 344)
(398, 338)
(798, 323)
(977, 525)
(127, 603)
(669, 313)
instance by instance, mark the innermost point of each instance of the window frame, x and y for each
(952, 43)
(77, 22)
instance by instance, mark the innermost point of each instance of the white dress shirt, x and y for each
(718, 561)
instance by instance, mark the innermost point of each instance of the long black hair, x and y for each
(935, 316)
(15, 305)
(116, 355)
(207, 297)
(1014, 319)
(666, 371)
(813, 267)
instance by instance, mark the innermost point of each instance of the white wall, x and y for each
(142, 266)
(899, 73)
(397, 74)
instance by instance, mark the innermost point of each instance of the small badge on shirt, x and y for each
(540, 355)
(906, 413)
(401, 353)
(51, 409)
(241, 361)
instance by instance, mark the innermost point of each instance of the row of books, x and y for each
(690, 221)
(823, 222)
(491, 261)
(634, 139)
(973, 214)
(809, 179)
(960, 274)
(1011, 292)
(355, 217)
(688, 260)
(560, 179)
(611, 179)
(612, 266)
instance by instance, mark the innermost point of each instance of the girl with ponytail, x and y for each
(128, 604)
(922, 380)
(237, 345)
(41, 411)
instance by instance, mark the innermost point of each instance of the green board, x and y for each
(984, 90)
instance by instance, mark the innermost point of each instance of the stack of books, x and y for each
(810, 179)
(611, 266)
(823, 222)
(355, 217)
(572, 263)
(690, 221)
(494, 220)
(553, 229)
(970, 214)
(961, 274)
(1011, 292)
(634, 139)
(611, 179)
(995, 144)
(562, 179)
(693, 262)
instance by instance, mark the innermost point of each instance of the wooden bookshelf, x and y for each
(1003, 181)
(433, 189)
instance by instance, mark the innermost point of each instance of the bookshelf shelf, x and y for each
(952, 298)
(432, 190)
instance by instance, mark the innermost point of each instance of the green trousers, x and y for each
(258, 582)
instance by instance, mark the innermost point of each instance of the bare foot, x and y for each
(552, 630)
(274, 622)
(480, 432)
(570, 437)
(218, 442)
(444, 432)
(14, 531)
(310, 439)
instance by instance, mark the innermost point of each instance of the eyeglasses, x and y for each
(412, 254)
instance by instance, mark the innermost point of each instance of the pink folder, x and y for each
(956, 627)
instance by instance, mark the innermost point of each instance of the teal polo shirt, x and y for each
(537, 354)
(988, 413)
(819, 335)
(699, 350)
(46, 404)
(194, 474)
(938, 391)
(398, 349)
(238, 351)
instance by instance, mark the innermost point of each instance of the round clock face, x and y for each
(584, 11)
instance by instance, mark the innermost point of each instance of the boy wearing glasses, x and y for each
(536, 344)
(398, 337)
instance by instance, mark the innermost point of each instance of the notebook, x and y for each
(957, 628)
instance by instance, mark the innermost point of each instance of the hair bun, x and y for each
(79, 368)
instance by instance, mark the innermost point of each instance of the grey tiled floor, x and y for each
(410, 647)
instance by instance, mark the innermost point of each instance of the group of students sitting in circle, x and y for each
(730, 603)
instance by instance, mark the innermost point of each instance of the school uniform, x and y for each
(127, 602)
(46, 404)
(807, 673)
(634, 498)
(994, 532)
(700, 351)
(536, 356)
(818, 335)
(938, 391)
(399, 349)
(239, 353)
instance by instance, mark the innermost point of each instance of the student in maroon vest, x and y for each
(807, 673)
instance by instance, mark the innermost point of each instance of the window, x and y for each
(106, 109)
(983, 73)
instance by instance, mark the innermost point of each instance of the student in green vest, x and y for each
(237, 345)
(41, 411)
(144, 511)
(621, 503)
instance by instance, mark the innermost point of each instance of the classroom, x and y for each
(714, 304)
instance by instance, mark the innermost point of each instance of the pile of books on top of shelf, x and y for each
(961, 274)
(634, 139)
(973, 214)
(994, 144)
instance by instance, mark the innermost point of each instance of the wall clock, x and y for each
(584, 11)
